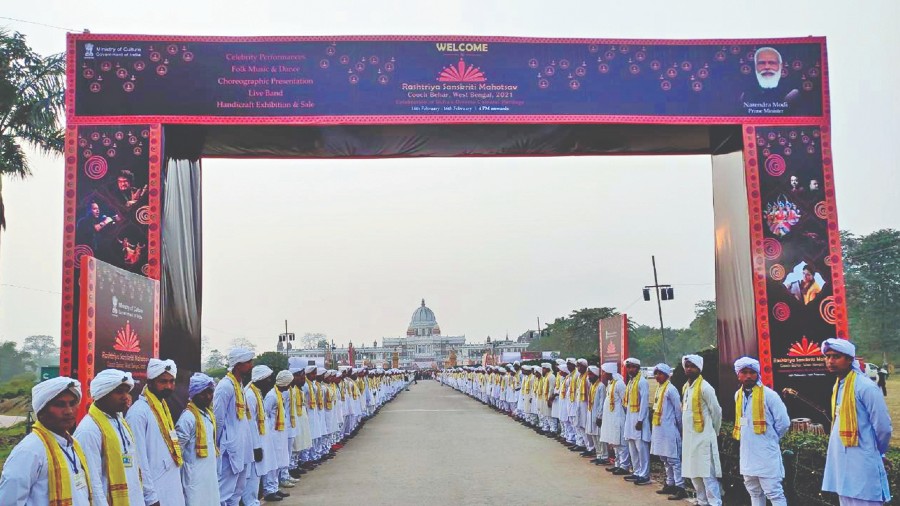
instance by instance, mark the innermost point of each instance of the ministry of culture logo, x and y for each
(127, 339)
(460, 73)
(88, 50)
(115, 306)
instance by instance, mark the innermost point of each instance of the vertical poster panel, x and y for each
(119, 324)
(111, 213)
(796, 259)
(614, 339)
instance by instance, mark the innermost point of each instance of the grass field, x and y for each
(9, 437)
(893, 402)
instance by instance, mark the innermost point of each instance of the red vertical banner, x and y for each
(351, 352)
(112, 213)
(796, 255)
(614, 339)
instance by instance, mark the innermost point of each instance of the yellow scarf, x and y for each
(320, 395)
(239, 404)
(757, 398)
(60, 487)
(202, 449)
(848, 427)
(658, 403)
(279, 410)
(611, 395)
(296, 405)
(260, 410)
(331, 394)
(564, 390)
(573, 385)
(631, 396)
(526, 385)
(593, 393)
(166, 425)
(583, 388)
(312, 391)
(695, 402)
(117, 493)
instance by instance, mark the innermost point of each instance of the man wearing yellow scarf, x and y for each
(196, 430)
(665, 435)
(278, 409)
(108, 443)
(154, 433)
(262, 379)
(579, 403)
(612, 430)
(860, 431)
(596, 397)
(48, 467)
(760, 421)
(701, 419)
(637, 422)
(233, 431)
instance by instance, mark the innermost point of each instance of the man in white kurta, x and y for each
(761, 463)
(161, 471)
(261, 379)
(277, 399)
(199, 474)
(611, 432)
(637, 422)
(110, 390)
(665, 432)
(25, 480)
(233, 427)
(701, 423)
(596, 396)
(854, 469)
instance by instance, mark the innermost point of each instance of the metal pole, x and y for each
(662, 330)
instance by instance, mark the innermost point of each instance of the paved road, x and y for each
(434, 446)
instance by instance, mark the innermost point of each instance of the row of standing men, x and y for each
(243, 439)
(610, 417)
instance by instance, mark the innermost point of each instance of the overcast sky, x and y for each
(349, 248)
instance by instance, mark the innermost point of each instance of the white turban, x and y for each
(546, 365)
(46, 391)
(560, 362)
(663, 368)
(632, 360)
(284, 378)
(746, 362)
(581, 361)
(610, 367)
(260, 372)
(570, 360)
(295, 364)
(516, 363)
(841, 346)
(594, 370)
(526, 367)
(310, 369)
(697, 360)
(155, 367)
(238, 355)
(199, 383)
(320, 371)
(108, 380)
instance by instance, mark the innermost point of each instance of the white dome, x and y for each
(423, 322)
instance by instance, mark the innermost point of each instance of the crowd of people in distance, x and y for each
(247, 438)
(606, 413)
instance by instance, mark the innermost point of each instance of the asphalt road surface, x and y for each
(434, 445)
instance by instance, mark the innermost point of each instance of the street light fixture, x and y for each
(663, 292)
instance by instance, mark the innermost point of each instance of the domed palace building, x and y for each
(424, 347)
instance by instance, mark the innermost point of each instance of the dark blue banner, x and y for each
(221, 77)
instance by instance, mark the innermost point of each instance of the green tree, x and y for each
(576, 334)
(43, 350)
(277, 361)
(12, 361)
(872, 279)
(215, 360)
(32, 100)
